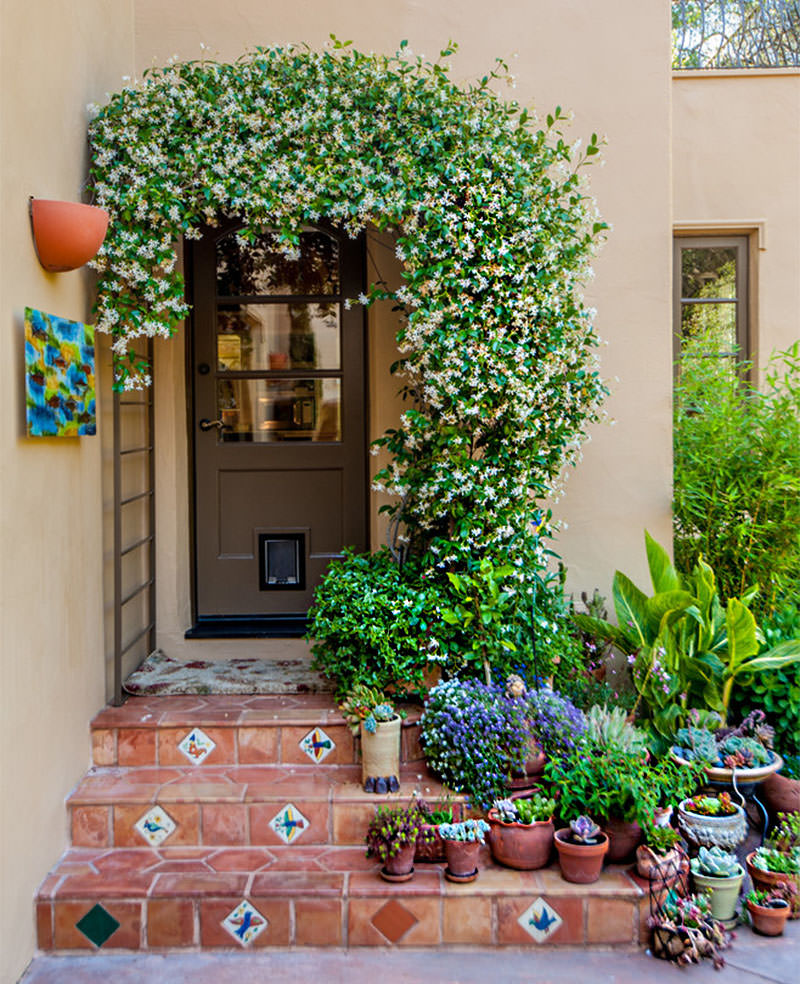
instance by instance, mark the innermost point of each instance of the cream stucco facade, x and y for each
(726, 149)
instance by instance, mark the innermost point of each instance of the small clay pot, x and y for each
(623, 839)
(400, 867)
(534, 767)
(769, 920)
(657, 867)
(580, 863)
(767, 880)
(462, 857)
(523, 846)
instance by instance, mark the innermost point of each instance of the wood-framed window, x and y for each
(711, 294)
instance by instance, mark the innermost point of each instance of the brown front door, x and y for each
(279, 424)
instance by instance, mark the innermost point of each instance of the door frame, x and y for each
(251, 626)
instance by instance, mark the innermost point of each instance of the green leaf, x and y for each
(784, 654)
(662, 573)
(630, 605)
(741, 632)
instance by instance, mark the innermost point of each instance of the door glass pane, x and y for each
(245, 268)
(266, 410)
(708, 271)
(277, 336)
(716, 322)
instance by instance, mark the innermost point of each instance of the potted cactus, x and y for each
(368, 711)
(521, 831)
(719, 874)
(581, 848)
(462, 843)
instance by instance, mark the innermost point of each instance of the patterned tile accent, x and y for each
(155, 826)
(197, 746)
(393, 920)
(317, 745)
(97, 925)
(540, 920)
(289, 824)
(245, 922)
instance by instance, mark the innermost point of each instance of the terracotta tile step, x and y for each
(324, 896)
(214, 730)
(233, 806)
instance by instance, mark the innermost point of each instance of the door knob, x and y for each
(207, 425)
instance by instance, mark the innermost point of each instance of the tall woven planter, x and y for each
(380, 750)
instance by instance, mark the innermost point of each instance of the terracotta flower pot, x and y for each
(724, 893)
(534, 767)
(400, 867)
(580, 863)
(520, 845)
(380, 750)
(430, 846)
(623, 839)
(781, 794)
(462, 857)
(768, 920)
(66, 234)
(658, 867)
(767, 880)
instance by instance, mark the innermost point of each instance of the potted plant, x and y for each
(709, 821)
(462, 843)
(685, 932)
(554, 725)
(521, 831)
(720, 875)
(581, 848)
(368, 711)
(430, 846)
(392, 839)
(779, 860)
(770, 908)
(745, 750)
(659, 855)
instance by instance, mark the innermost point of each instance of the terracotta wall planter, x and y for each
(766, 920)
(66, 234)
(519, 845)
(767, 880)
(580, 863)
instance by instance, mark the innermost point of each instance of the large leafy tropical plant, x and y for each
(687, 649)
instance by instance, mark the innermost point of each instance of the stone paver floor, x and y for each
(751, 960)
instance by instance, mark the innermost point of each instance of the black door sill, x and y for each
(248, 627)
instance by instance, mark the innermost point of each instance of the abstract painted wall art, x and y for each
(59, 375)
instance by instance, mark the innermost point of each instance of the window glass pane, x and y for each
(277, 336)
(716, 322)
(245, 268)
(708, 271)
(266, 410)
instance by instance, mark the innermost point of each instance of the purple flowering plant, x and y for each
(554, 721)
(474, 736)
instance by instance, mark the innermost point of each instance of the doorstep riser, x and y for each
(257, 745)
(464, 919)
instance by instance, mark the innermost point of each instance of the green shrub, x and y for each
(737, 472)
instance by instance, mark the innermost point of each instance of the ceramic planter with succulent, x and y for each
(581, 848)
(712, 821)
(392, 839)
(770, 908)
(718, 874)
(521, 831)
(462, 843)
(659, 859)
(368, 712)
(744, 751)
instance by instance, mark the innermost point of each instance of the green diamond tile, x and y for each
(97, 925)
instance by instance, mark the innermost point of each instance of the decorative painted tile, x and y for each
(245, 922)
(317, 745)
(97, 925)
(289, 824)
(540, 919)
(197, 746)
(155, 826)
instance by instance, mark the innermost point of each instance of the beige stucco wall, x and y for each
(736, 165)
(54, 59)
(563, 52)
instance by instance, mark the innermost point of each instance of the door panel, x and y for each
(279, 419)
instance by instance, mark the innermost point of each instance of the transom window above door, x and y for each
(278, 339)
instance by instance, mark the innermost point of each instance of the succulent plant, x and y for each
(752, 752)
(715, 863)
(367, 704)
(465, 830)
(610, 728)
(697, 743)
(584, 830)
